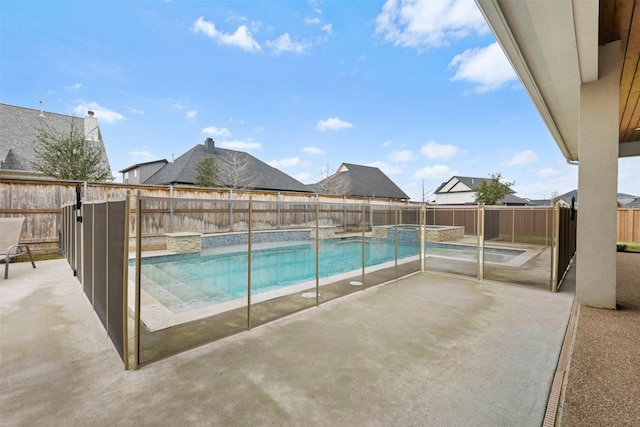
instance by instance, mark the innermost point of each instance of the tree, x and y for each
(491, 191)
(67, 155)
(236, 168)
(335, 184)
(207, 172)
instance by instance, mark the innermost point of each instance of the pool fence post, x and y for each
(546, 227)
(317, 252)
(396, 239)
(480, 242)
(125, 283)
(249, 238)
(364, 286)
(553, 286)
(136, 330)
(423, 232)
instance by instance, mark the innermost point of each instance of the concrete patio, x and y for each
(430, 349)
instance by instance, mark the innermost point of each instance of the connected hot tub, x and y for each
(411, 233)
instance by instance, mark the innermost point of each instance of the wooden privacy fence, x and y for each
(628, 225)
(40, 201)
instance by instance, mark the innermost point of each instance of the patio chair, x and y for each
(10, 247)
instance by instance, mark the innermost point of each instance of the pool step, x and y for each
(177, 287)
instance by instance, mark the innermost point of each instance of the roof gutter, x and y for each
(500, 27)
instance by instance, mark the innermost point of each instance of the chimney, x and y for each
(91, 129)
(209, 146)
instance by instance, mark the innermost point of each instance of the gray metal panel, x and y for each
(115, 285)
(87, 228)
(100, 261)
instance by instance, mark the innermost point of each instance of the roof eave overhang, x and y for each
(553, 48)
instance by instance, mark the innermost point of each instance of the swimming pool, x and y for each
(187, 282)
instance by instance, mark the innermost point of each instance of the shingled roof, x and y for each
(18, 131)
(238, 169)
(470, 181)
(361, 181)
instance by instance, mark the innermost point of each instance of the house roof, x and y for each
(471, 182)
(511, 199)
(246, 170)
(137, 165)
(540, 202)
(19, 131)
(625, 200)
(362, 181)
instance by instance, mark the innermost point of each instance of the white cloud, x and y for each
(133, 110)
(386, 167)
(145, 154)
(327, 28)
(284, 43)
(285, 163)
(333, 123)
(241, 38)
(521, 158)
(547, 172)
(487, 68)
(313, 150)
(101, 113)
(310, 20)
(433, 150)
(401, 156)
(387, 143)
(215, 131)
(433, 172)
(428, 23)
(241, 145)
(74, 86)
(191, 114)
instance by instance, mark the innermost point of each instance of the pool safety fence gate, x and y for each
(94, 240)
(201, 270)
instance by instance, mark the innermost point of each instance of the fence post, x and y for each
(395, 221)
(555, 252)
(364, 214)
(513, 225)
(317, 252)
(480, 242)
(231, 209)
(423, 232)
(136, 331)
(171, 209)
(278, 213)
(125, 282)
(249, 237)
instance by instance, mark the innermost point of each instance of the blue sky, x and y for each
(419, 89)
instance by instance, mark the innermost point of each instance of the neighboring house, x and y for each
(361, 181)
(140, 172)
(18, 132)
(624, 200)
(541, 202)
(461, 190)
(237, 169)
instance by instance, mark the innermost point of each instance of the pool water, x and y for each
(186, 282)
